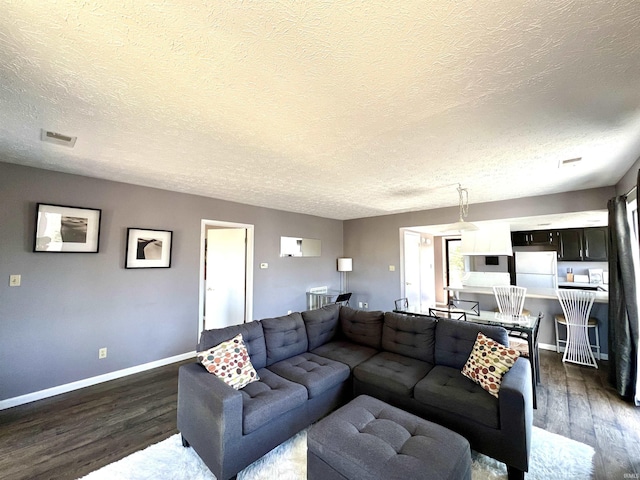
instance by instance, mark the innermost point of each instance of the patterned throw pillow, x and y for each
(230, 362)
(488, 362)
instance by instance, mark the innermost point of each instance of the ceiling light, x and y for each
(463, 204)
(57, 138)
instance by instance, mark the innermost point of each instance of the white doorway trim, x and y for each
(204, 224)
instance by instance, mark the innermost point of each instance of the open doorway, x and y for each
(418, 272)
(455, 266)
(226, 274)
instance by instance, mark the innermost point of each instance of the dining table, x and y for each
(525, 327)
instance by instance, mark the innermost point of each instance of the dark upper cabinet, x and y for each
(595, 244)
(583, 244)
(570, 244)
(534, 237)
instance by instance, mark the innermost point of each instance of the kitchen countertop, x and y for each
(546, 293)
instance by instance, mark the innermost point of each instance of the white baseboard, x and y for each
(87, 382)
(547, 346)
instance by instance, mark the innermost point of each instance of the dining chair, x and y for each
(343, 298)
(510, 299)
(402, 303)
(576, 305)
(470, 307)
(447, 313)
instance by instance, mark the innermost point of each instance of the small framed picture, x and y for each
(63, 229)
(148, 248)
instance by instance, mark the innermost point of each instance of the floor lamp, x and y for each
(344, 265)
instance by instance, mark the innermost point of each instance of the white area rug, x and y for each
(552, 457)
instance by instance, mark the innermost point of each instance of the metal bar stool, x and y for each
(510, 299)
(576, 305)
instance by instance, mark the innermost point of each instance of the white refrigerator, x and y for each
(536, 269)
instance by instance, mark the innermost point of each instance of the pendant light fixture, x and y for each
(461, 225)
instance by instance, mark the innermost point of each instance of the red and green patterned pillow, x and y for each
(488, 362)
(230, 362)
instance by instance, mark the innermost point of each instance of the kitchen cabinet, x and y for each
(534, 237)
(570, 244)
(583, 244)
(596, 242)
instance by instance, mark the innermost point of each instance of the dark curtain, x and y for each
(623, 305)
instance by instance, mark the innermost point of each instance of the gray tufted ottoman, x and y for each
(368, 439)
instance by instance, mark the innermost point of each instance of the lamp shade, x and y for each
(345, 264)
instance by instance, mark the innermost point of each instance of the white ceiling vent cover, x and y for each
(57, 138)
(569, 162)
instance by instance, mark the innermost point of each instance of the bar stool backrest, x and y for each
(576, 305)
(510, 299)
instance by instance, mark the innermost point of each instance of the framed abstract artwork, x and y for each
(63, 229)
(148, 248)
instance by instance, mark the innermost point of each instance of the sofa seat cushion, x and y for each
(317, 374)
(447, 389)
(346, 352)
(392, 372)
(268, 398)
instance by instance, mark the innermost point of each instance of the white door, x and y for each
(412, 268)
(225, 285)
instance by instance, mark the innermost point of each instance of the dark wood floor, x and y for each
(68, 436)
(577, 402)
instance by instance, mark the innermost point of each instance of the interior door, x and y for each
(225, 285)
(412, 268)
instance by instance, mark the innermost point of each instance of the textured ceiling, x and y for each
(337, 109)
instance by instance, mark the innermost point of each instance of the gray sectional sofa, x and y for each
(312, 362)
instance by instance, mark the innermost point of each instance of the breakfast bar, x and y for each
(542, 301)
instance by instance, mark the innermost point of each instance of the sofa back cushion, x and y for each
(455, 340)
(284, 337)
(413, 337)
(321, 324)
(362, 327)
(252, 335)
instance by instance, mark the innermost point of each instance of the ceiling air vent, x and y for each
(57, 138)
(569, 162)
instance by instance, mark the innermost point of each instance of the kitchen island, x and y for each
(545, 301)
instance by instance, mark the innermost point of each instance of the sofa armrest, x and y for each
(209, 412)
(516, 400)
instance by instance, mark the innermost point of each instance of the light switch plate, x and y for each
(392, 268)
(15, 280)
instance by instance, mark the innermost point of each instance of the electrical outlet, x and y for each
(14, 280)
(102, 353)
(392, 268)
(366, 305)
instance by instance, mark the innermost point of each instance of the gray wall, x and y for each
(628, 180)
(70, 305)
(373, 243)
